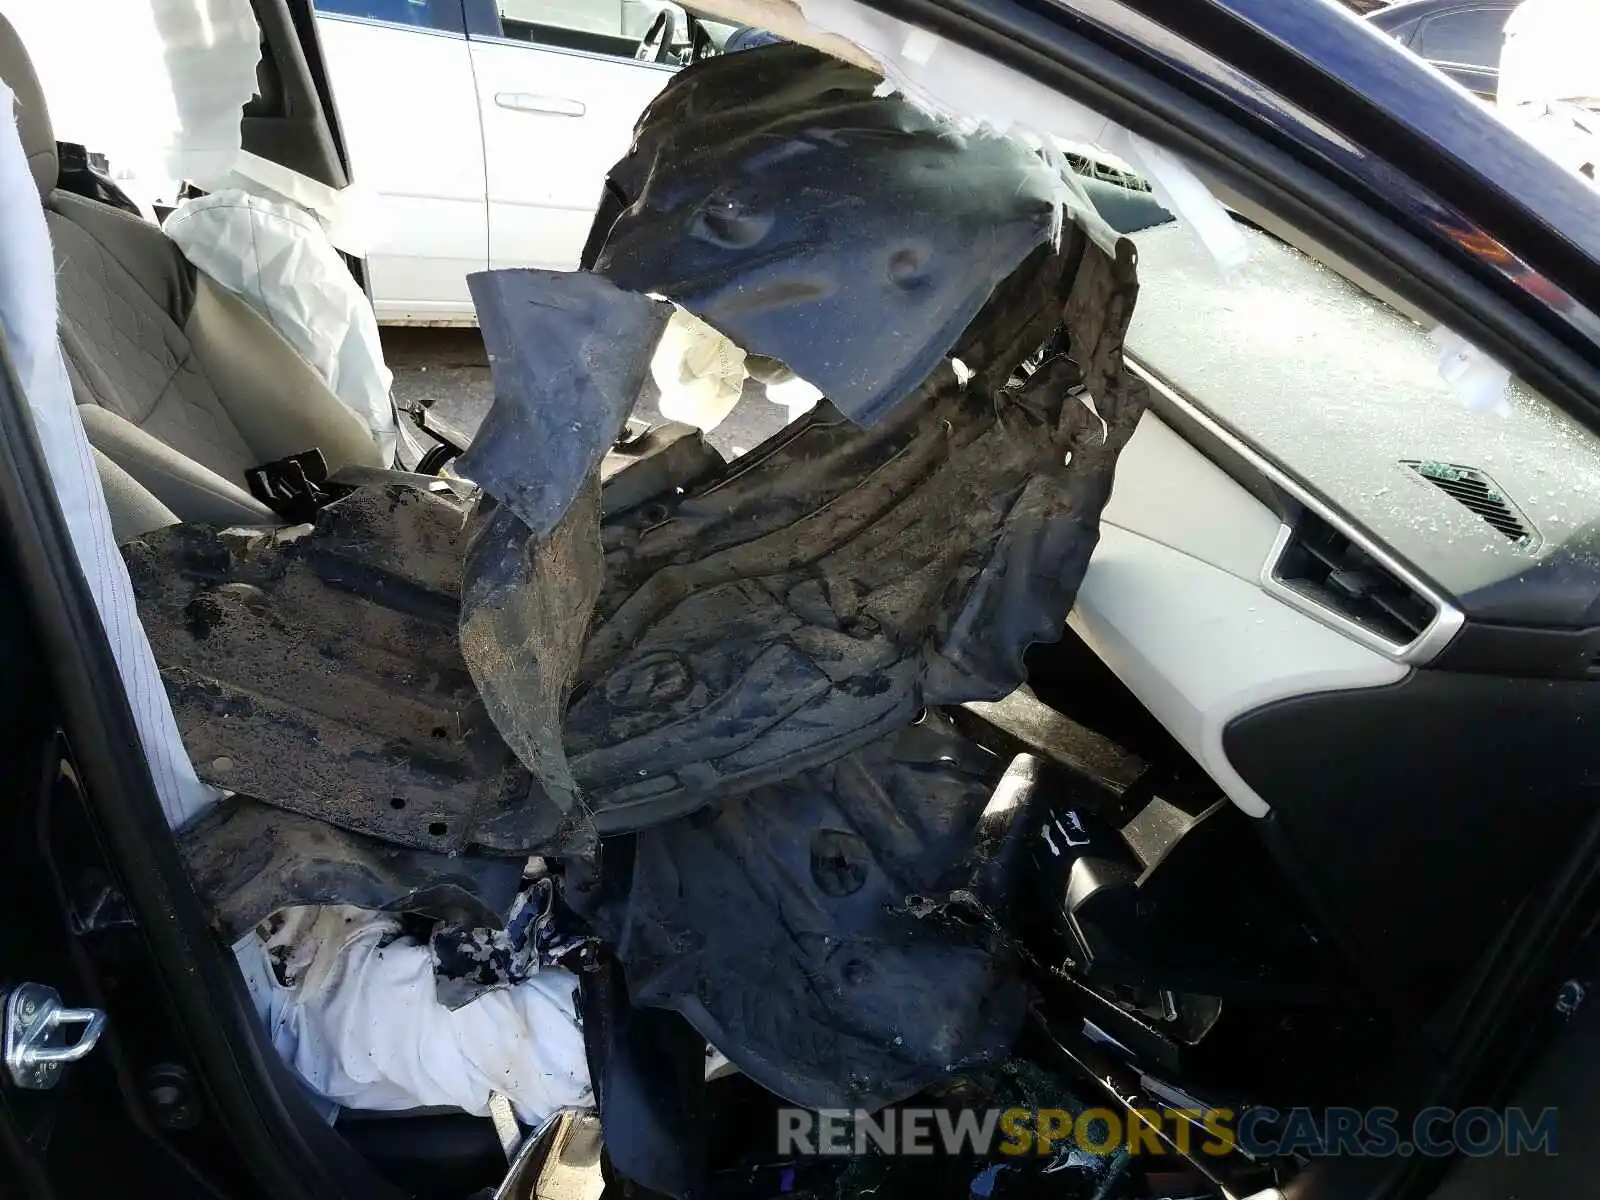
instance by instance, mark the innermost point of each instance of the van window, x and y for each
(1470, 37)
(420, 14)
(612, 27)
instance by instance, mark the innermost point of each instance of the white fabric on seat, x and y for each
(362, 1024)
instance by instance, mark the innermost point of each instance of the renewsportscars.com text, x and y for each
(1256, 1132)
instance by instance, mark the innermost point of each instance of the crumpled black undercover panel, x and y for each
(819, 592)
(790, 927)
(850, 235)
(317, 669)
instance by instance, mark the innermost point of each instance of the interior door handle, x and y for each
(556, 106)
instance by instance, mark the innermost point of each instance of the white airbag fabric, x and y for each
(700, 372)
(363, 1021)
(278, 257)
(173, 77)
(211, 50)
(1549, 88)
(362, 1024)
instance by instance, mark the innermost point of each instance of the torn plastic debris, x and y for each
(813, 596)
(852, 237)
(525, 606)
(358, 1017)
(343, 638)
(568, 352)
(316, 668)
(279, 259)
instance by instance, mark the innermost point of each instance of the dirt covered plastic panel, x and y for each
(789, 926)
(316, 668)
(775, 195)
(251, 859)
(569, 353)
(817, 593)
(725, 667)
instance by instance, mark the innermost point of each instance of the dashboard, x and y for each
(1368, 613)
(1173, 604)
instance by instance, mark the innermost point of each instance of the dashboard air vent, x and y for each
(1473, 489)
(1323, 565)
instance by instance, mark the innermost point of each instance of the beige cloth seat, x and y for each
(182, 386)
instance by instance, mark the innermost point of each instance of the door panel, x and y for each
(554, 122)
(409, 111)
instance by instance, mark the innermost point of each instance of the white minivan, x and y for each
(482, 129)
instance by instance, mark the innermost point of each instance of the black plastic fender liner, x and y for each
(800, 929)
(850, 235)
(568, 352)
(814, 595)
(819, 592)
(793, 606)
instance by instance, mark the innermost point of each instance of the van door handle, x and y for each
(556, 106)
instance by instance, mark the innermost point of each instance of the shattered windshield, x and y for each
(1370, 408)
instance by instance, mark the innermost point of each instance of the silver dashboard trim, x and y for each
(1426, 646)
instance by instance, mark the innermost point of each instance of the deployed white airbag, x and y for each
(172, 76)
(279, 258)
(362, 1024)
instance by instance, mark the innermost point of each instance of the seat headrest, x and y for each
(33, 118)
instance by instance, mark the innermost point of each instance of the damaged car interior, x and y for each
(1147, 679)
